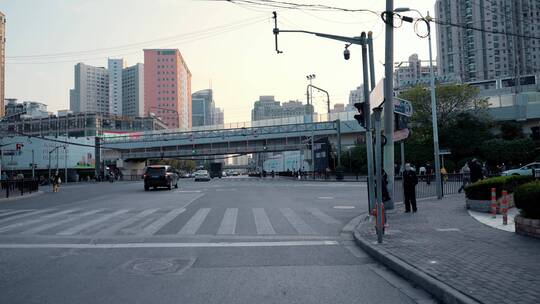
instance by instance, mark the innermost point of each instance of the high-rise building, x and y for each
(133, 90)
(167, 87)
(203, 108)
(91, 90)
(356, 95)
(2, 61)
(115, 67)
(476, 55)
(219, 116)
(412, 72)
(338, 107)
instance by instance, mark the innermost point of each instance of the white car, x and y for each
(201, 175)
(525, 170)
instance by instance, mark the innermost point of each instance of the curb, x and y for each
(14, 198)
(438, 289)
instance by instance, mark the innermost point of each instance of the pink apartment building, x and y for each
(167, 87)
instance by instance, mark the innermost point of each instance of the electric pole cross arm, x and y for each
(351, 40)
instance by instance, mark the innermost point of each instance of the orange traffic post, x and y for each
(504, 207)
(493, 202)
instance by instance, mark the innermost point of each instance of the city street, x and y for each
(230, 240)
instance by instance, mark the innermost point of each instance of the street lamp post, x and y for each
(436, 152)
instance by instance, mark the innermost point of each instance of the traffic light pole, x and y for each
(378, 167)
(369, 135)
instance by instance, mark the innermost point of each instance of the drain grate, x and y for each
(158, 266)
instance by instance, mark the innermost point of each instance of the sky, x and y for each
(227, 47)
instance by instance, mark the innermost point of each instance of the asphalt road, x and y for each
(231, 240)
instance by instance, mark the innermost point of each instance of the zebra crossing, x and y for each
(156, 221)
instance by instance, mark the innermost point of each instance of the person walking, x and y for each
(466, 176)
(410, 180)
(476, 171)
(56, 182)
(422, 172)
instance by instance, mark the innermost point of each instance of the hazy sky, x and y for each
(227, 45)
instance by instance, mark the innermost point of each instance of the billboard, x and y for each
(76, 153)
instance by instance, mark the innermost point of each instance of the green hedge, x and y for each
(527, 198)
(481, 190)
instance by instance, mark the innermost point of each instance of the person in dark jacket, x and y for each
(476, 171)
(410, 180)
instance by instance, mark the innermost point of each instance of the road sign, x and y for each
(403, 107)
(11, 152)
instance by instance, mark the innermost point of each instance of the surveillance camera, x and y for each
(346, 53)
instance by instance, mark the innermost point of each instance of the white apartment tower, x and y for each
(133, 90)
(91, 90)
(115, 67)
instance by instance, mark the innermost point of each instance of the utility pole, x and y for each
(389, 102)
(33, 165)
(369, 136)
(65, 163)
(378, 167)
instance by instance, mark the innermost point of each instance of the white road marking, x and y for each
(18, 216)
(188, 191)
(447, 229)
(164, 220)
(116, 227)
(228, 224)
(33, 221)
(193, 199)
(171, 245)
(344, 207)
(58, 223)
(323, 216)
(298, 223)
(195, 222)
(78, 228)
(262, 222)
(13, 212)
(325, 197)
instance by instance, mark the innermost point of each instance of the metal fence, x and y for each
(14, 187)
(451, 183)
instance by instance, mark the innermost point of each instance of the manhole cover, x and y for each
(157, 266)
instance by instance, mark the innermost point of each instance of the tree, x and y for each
(355, 159)
(452, 100)
(514, 152)
(511, 130)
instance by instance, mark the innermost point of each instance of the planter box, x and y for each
(527, 226)
(485, 205)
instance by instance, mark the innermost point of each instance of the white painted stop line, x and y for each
(344, 207)
(170, 245)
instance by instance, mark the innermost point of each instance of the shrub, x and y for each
(527, 198)
(481, 190)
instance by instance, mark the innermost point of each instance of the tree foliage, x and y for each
(513, 152)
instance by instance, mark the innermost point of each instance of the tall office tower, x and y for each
(2, 61)
(91, 90)
(476, 55)
(167, 87)
(203, 108)
(133, 90)
(115, 67)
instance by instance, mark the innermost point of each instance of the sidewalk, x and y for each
(453, 256)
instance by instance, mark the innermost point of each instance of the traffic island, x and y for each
(454, 257)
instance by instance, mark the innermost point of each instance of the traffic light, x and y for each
(361, 116)
(18, 147)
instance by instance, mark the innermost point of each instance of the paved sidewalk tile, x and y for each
(443, 241)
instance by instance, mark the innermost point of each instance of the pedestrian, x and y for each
(429, 172)
(56, 182)
(466, 176)
(385, 193)
(476, 171)
(422, 172)
(410, 180)
(444, 174)
(4, 180)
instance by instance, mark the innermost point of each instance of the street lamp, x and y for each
(427, 20)
(310, 77)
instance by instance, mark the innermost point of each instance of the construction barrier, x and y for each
(504, 207)
(493, 202)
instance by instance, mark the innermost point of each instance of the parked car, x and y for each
(202, 175)
(160, 176)
(525, 170)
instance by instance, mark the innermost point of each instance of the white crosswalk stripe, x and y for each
(228, 224)
(33, 221)
(8, 212)
(116, 227)
(298, 223)
(195, 222)
(323, 216)
(19, 216)
(162, 221)
(47, 226)
(78, 228)
(262, 222)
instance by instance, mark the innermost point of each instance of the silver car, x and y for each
(525, 170)
(202, 175)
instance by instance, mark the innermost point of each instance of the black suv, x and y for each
(160, 176)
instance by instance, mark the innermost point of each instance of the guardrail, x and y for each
(14, 187)
(451, 183)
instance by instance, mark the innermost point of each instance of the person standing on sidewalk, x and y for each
(466, 176)
(410, 180)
